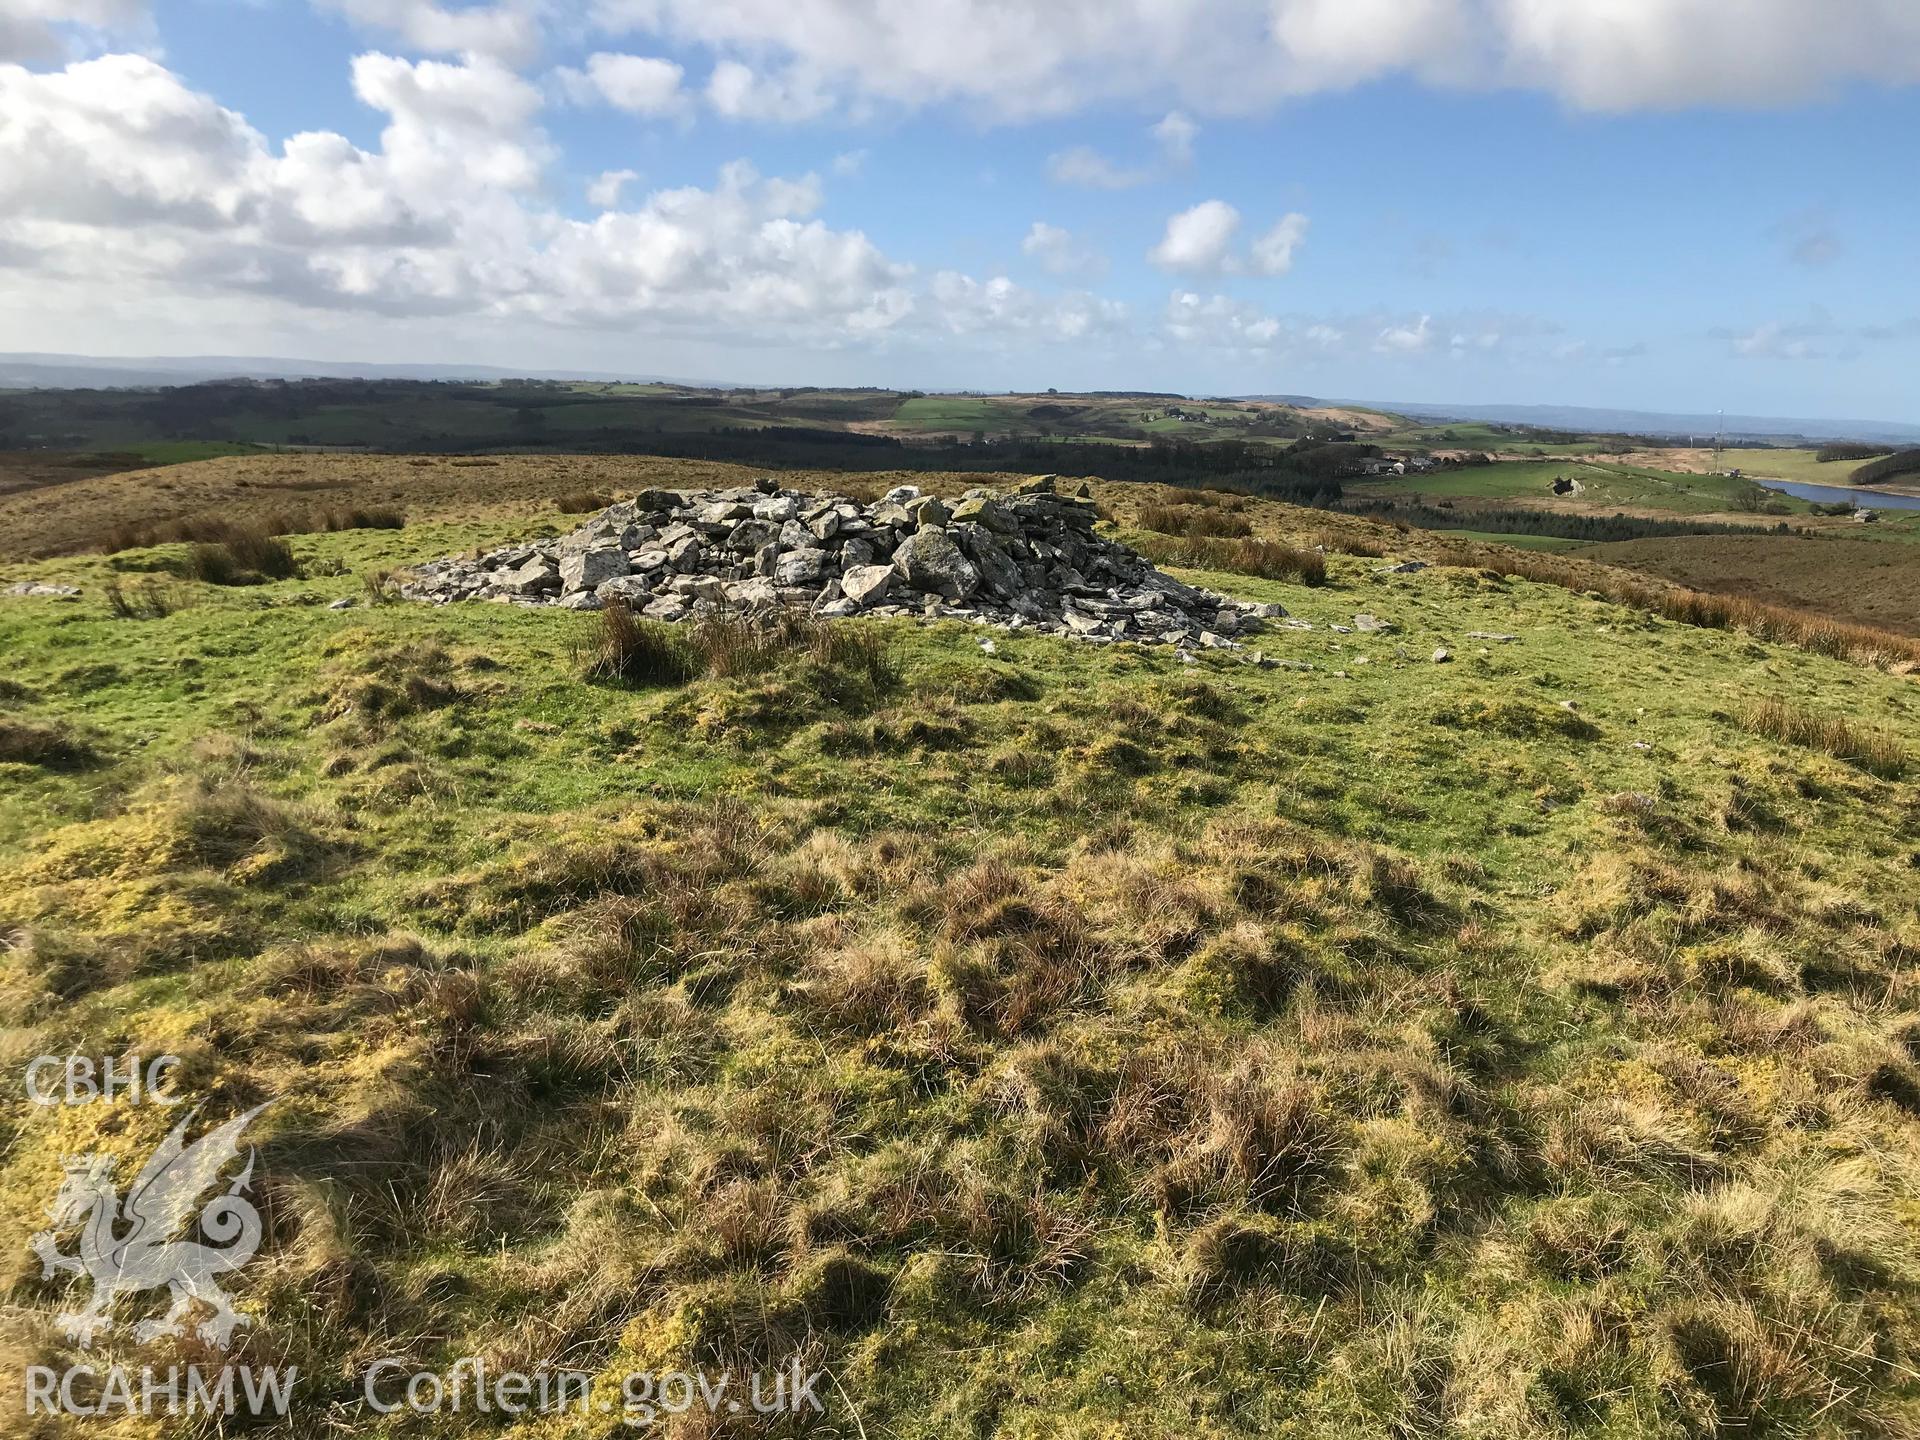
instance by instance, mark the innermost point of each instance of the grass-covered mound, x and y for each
(1058, 1041)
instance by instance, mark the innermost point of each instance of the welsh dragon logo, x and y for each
(130, 1246)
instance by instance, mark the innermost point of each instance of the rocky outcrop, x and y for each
(1030, 560)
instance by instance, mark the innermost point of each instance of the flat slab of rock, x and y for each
(867, 584)
(36, 590)
(590, 569)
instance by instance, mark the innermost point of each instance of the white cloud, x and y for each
(1060, 252)
(1406, 339)
(1273, 252)
(508, 32)
(745, 254)
(1002, 308)
(1240, 56)
(1774, 340)
(1198, 241)
(739, 92)
(849, 162)
(638, 84)
(604, 190)
(1176, 134)
(1082, 165)
(1464, 342)
(455, 124)
(39, 30)
(115, 177)
(1221, 321)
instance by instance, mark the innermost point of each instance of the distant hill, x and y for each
(33, 371)
(1655, 423)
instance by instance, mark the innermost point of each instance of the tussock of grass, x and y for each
(244, 557)
(1194, 522)
(50, 746)
(636, 651)
(1267, 559)
(1874, 748)
(215, 530)
(629, 650)
(1349, 542)
(580, 502)
(1517, 716)
(150, 599)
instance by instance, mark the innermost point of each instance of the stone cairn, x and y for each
(1029, 560)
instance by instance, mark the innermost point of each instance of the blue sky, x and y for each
(1664, 204)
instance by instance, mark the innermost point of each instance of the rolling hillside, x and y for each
(1493, 1017)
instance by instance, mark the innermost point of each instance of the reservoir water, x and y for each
(1834, 494)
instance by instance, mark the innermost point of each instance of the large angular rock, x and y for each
(699, 587)
(627, 589)
(590, 569)
(867, 584)
(929, 561)
(776, 508)
(985, 510)
(801, 567)
(749, 535)
(1000, 578)
(929, 512)
(753, 594)
(536, 575)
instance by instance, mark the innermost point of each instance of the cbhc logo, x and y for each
(80, 1080)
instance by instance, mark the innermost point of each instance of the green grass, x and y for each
(1523, 542)
(1607, 486)
(1068, 1041)
(956, 412)
(178, 452)
(1474, 436)
(1799, 465)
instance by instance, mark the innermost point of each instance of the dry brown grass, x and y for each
(1874, 748)
(1863, 582)
(1193, 521)
(217, 530)
(1267, 559)
(1862, 644)
(1349, 542)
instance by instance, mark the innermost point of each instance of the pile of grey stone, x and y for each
(1025, 560)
